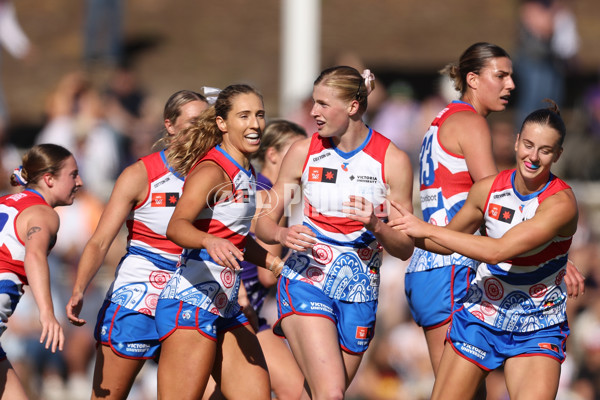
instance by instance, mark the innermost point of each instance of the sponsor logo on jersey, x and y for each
(318, 174)
(500, 195)
(429, 198)
(345, 166)
(161, 182)
(503, 214)
(366, 179)
(362, 332)
(168, 199)
(320, 157)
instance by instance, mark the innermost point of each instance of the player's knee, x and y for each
(331, 393)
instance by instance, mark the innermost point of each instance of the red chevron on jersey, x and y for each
(549, 251)
(461, 182)
(219, 229)
(332, 224)
(230, 217)
(147, 223)
(140, 232)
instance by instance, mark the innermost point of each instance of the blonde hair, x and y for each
(194, 142)
(172, 111)
(349, 83)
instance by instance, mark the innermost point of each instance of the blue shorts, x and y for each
(173, 314)
(488, 348)
(130, 334)
(355, 322)
(432, 294)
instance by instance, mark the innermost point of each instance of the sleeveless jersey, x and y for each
(249, 273)
(199, 280)
(12, 250)
(444, 185)
(151, 258)
(526, 293)
(346, 260)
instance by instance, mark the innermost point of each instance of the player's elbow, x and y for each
(496, 257)
(404, 252)
(171, 233)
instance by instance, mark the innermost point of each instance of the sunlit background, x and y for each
(171, 45)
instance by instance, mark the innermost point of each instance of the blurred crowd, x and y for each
(109, 125)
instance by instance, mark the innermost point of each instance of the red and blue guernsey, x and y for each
(12, 253)
(12, 250)
(444, 184)
(528, 292)
(151, 258)
(199, 280)
(346, 260)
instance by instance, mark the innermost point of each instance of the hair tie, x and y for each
(369, 78)
(19, 177)
(211, 94)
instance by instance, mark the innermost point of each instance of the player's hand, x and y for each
(296, 237)
(574, 281)
(361, 210)
(408, 223)
(52, 332)
(223, 252)
(74, 306)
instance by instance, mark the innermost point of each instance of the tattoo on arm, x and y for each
(33, 230)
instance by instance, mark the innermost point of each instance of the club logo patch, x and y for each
(503, 214)
(168, 199)
(318, 174)
(362, 332)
